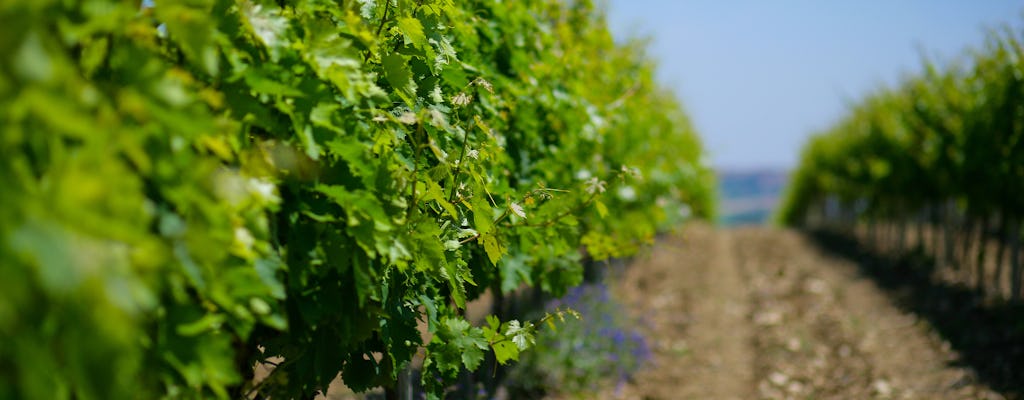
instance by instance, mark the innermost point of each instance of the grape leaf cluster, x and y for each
(195, 187)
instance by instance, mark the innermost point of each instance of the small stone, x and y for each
(816, 286)
(778, 378)
(768, 318)
(882, 388)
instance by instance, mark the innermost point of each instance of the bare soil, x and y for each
(765, 313)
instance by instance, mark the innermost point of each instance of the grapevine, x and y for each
(192, 188)
(939, 153)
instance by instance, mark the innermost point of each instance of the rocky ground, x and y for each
(765, 313)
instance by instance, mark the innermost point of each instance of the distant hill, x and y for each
(749, 196)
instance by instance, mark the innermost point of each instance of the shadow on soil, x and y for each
(988, 336)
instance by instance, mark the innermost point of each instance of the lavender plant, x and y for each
(603, 347)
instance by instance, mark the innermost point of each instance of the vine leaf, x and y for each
(359, 374)
(194, 31)
(396, 71)
(492, 247)
(261, 83)
(515, 271)
(505, 351)
(457, 343)
(413, 32)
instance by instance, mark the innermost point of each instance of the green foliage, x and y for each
(199, 186)
(945, 136)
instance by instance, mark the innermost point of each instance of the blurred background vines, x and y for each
(195, 187)
(934, 166)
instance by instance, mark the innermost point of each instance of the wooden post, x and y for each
(979, 267)
(936, 252)
(1015, 267)
(967, 228)
(1000, 255)
(948, 246)
(922, 221)
(901, 237)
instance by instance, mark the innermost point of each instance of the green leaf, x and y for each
(456, 285)
(364, 278)
(413, 31)
(309, 142)
(31, 61)
(430, 248)
(359, 373)
(482, 214)
(492, 247)
(431, 309)
(361, 206)
(322, 116)
(194, 30)
(493, 322)
(401, 335)
(602, 210)
(356, 156)
(473, 353)
(434, 193)
(467, 340)
(456, 344)
(396, 71)
(505, 351)
(515, 271)
(267, 269)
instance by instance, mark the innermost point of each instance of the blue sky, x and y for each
(758, 77)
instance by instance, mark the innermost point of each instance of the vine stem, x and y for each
(469, 239)
(536, 326)
(256, 388)
(565, 213)
(415, 171)
(458, 167)
(383, 19)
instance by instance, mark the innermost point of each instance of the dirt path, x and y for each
(762, 313)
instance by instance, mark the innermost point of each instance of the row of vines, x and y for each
(194, 187)
(936, 164)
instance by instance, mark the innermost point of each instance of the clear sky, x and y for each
(758, 77)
